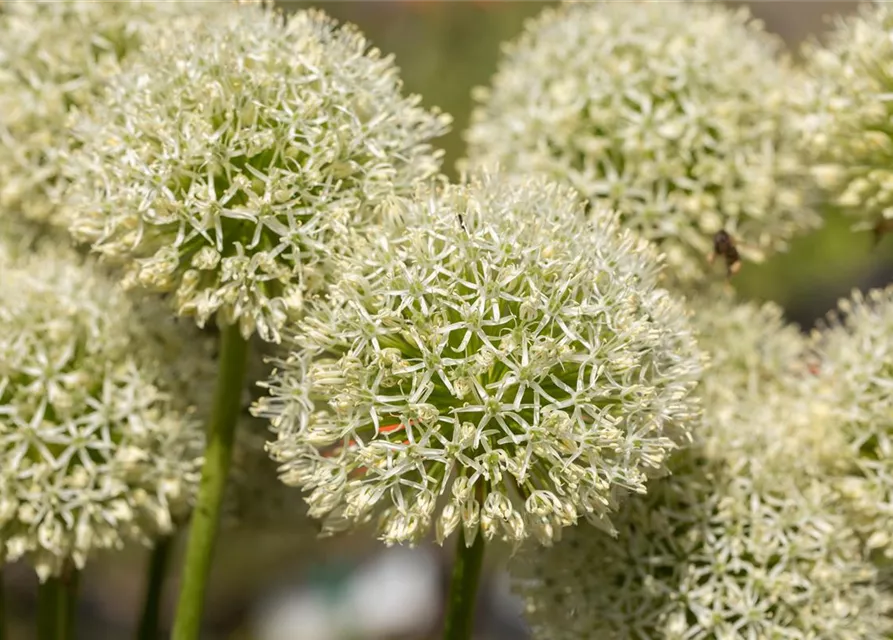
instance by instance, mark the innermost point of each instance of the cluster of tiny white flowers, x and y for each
(230, 160)
(855, 352)
(707, 556)
(676, 114)
(761, 374)
(503, 364)
(95, 450)
(54, 57)
(744, 539)
(749, 343)
(849, 100)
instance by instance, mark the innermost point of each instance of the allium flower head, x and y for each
(855, 354)
(673, 113)
(744, 540)
(229, 162)
(56, 56)
(760, 378)
(95, 450)
(750, 344)
(502, 363)
(848, 131)
(708, 555)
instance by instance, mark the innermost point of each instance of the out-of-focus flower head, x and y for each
(99, 443)
(676, 114)
(761, 373)
(707, 554)
(56, 56)
(855, 351)
(503, 363)
(744, 539)
(849, 98)
(228, 164)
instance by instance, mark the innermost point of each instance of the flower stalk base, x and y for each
(156, 573)
(459, 621)
(206, 516)
(57, 606)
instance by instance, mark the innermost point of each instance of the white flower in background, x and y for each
(675, 114)
(761, 372)
(709, 554)
(97, 442)
(55, 57)
(850, 102)
(229, 163)
(855, 352)
(502, 364)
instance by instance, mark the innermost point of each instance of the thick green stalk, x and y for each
(206, 516)
(459, 621)
(157, 570)
(57, 606)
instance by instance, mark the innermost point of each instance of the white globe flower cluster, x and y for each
(848, 129)
(676, 114)
(762, 371)
(230, 160)
(707, 555)
(505, 358)
(99, 443)
(855, 364)
(56, 57)
(501, 354)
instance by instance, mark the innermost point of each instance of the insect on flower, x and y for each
(724, 246)
(616, 156)
(882, 228)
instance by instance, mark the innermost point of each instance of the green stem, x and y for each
(157, 570)
(57, 600)
(68, 603)
(2, 607)
(459, 621)
(206, 516)
(47, 608)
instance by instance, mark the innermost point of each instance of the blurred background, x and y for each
(286, 586)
